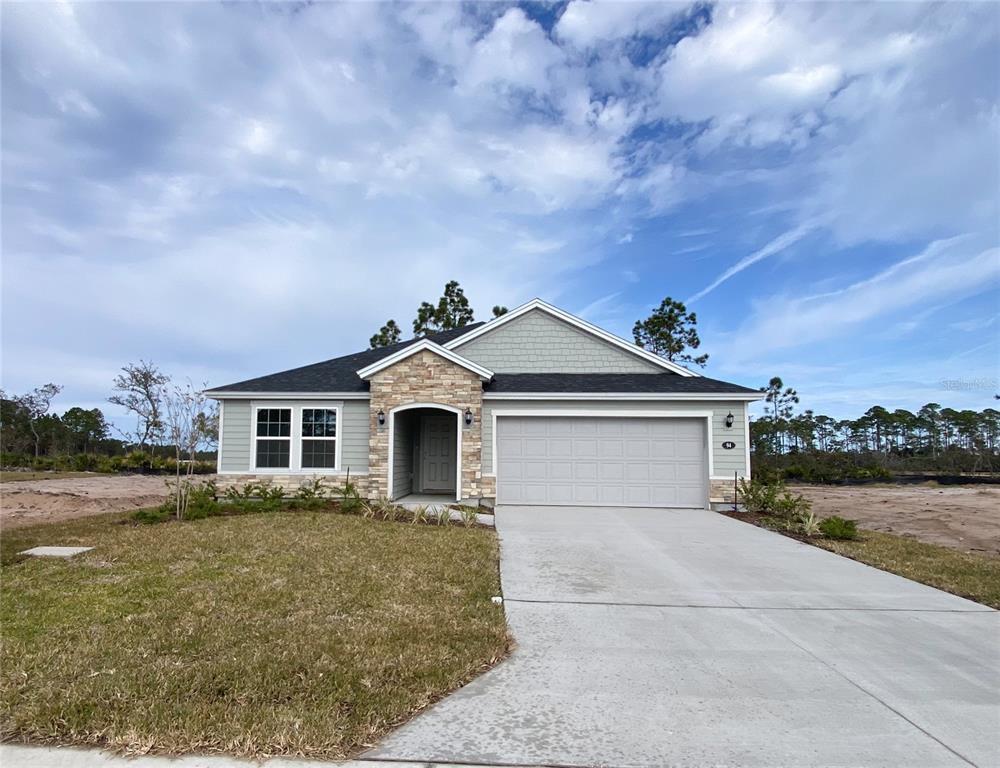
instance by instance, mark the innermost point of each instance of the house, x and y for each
(534, 407)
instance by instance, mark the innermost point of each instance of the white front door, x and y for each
(437, 452)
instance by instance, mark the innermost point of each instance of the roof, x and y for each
(605, 383)
(337, 375)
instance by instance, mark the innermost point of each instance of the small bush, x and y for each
(156, 515)
(838, 528)
(349, 498)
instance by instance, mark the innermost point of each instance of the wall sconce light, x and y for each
(468, 417)
(381, 417)
(729, 420)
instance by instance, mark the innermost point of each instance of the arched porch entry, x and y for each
(425, 452)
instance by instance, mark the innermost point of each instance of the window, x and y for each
(274, 438)
(319, 438)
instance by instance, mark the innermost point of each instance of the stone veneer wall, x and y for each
(426, 378)
(721, 491)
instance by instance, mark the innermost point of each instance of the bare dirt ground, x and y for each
(963, 517)
(50, 501)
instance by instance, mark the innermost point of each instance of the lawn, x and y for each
(293, 633)
(976, 577)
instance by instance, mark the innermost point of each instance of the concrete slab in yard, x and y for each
(650, 638)
(55, 551)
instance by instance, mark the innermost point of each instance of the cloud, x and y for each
(777, 245)
(236, 188)
(945, 270)
(586, 23)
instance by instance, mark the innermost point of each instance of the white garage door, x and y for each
(601, 461)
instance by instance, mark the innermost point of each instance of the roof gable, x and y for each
(424, 345)
(647, 360)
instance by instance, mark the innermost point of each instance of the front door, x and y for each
(437, 452)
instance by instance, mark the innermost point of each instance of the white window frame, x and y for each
(295, 449)
(335, 438)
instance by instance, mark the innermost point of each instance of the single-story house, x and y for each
(533, 407)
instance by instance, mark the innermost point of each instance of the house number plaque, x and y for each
(729, 445)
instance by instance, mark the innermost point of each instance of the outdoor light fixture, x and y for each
(468, 417)
(381, 417)
(729, 420)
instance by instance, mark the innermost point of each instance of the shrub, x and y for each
(759, 497)
(350, 498)
(807, 522)
(311, 494)
(838, 528)
(156, 515)
(791, 506)
(774, 500)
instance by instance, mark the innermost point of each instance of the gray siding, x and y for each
(402, 455)
(536, 342)
(235, 444)
(725, 461)
(354, 430)
(236, 433)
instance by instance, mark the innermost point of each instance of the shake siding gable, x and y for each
(540, 343)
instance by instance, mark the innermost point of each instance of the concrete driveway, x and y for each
(653, 638)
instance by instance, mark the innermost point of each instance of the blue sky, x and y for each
(234, 189)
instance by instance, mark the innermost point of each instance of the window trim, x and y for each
(295, 438)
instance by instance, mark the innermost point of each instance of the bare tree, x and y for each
(191, 422)
(139, 390)
(36, 404)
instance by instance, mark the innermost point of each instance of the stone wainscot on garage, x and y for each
(534, 407)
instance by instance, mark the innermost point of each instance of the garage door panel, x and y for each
(637, 449)
(614, 461)
(610, 428)
(509, 447)
(560, 447)
(561, 470)
(535, 470)
(636, 472)
(611, 449)
(613, 471)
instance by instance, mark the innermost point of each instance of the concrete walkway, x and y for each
(652, 638)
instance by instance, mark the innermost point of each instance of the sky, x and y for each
(232, 189)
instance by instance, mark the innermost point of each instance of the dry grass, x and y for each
(975, 577)
(286, 633)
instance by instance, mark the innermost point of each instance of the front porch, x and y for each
(424, 450)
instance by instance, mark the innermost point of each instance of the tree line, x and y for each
(934, 438)
(168, 417)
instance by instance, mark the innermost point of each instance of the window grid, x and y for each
(296, 438)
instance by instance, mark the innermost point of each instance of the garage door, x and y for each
(601, 461)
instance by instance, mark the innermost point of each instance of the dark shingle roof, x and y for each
(610, 382)
(336, 375)
(340, 375)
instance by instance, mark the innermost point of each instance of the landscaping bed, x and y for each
(301, 633)
(975, 577)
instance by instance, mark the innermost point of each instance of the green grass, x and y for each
(286, 633)
(976, 577)
(13, 477)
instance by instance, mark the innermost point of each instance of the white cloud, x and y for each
(293, 176)
(775, 246)
(945, 269)
(586, 23)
